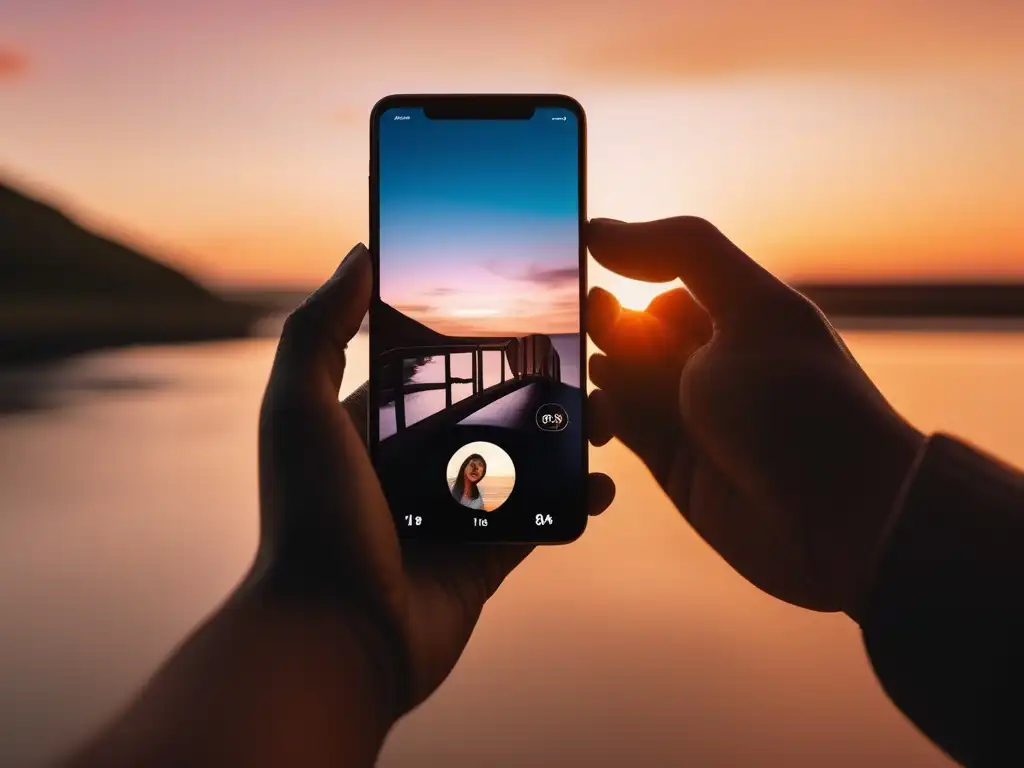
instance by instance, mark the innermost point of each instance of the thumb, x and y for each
(721, 276)
(310, 358)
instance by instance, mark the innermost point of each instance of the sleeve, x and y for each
(944, 619)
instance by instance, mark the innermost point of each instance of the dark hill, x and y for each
(65, 289)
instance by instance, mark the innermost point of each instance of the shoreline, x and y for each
(32, 333)
(53, 345)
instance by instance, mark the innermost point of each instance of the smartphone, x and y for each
(477, 355)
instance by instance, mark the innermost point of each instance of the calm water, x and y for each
(128, 510)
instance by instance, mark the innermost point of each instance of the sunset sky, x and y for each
(877, 139)
(479, 222)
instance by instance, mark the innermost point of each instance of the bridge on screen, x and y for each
(412, 454)
(530, 376)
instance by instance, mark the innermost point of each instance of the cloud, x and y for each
(13, 63)
(416, 309)
(739, 37)
(565, 304)
(560, 305)
(440, 292)
(553, 278)
(537, 274)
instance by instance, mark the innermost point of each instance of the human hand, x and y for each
(748, 410)
(338, 629)
(328, 539)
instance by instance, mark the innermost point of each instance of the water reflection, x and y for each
(130, 511)
(55, 385)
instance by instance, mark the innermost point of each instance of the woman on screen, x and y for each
(464, 489)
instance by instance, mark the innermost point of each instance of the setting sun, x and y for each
(632, 294)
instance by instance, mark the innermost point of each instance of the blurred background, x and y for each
(174, 177)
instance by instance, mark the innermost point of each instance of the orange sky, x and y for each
(862, 140)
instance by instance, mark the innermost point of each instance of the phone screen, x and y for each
(477, 352)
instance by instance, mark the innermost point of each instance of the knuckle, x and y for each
(700, 230)
(798, 310)
(298, 323)
(699, 225)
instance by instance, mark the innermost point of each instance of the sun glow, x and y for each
(632, 294)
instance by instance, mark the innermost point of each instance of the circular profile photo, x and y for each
(481, 476)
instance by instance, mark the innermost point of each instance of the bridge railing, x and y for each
(525, 361)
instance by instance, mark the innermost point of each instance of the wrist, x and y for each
(889, 468)
(373, 634)
(311, 680)
(263, 682)
(339, 630)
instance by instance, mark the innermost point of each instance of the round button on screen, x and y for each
(552, 417)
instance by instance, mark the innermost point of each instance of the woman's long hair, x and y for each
(459, 486)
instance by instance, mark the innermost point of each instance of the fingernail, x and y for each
(358, 252)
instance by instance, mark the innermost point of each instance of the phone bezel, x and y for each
(485, 106)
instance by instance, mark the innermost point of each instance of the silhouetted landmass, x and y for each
(278, 300)
(877, 304)
(948, 301)
(65, 290)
